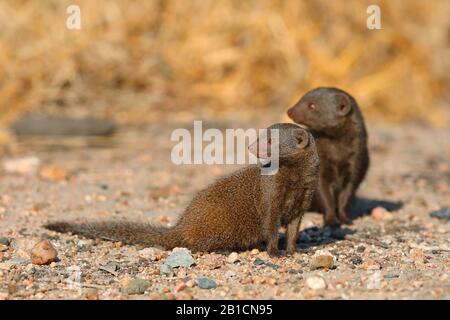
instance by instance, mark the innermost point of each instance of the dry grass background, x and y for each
(132, 59)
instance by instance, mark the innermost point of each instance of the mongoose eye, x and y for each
(311, 106)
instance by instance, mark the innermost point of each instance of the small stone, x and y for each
(3, 248)
(254, 252)
(258, 262)
(84, 245)
(111, 267)
(233, 257)
(322, 259)
(165, 270)
(391, 275)
(316, 283)
(206, 283)
(180, 286)
(361, 249)
(151, 253)
(53, 173)
(417, 255)
(371, 265)
(380, 213)
(180, 257)
(374, 281)
(443, 213)
(5, 241)
(27, 165)
(43, 253)
(355, 259)
(136, 286)
(91, 294)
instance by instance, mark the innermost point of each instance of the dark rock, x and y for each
(206, 283)
(5, 241)
(443, 213)
(180, 257)
(259, 262)
(137, 286)
(355, 259)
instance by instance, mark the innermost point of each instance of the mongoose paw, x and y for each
(330, 221)
(291, 251)
(274, 252)
(344, 219)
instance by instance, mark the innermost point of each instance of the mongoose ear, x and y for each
(344, 105)
(302, 138)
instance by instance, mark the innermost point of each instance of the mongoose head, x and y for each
(322, 108)
(292, 142)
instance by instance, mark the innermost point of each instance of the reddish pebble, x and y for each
(43, 253)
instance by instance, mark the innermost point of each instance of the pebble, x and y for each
(53, 173)
(443, 213)
(259, 261)
(206, 283)
(151, 253)
(91, 294)
(26, 165)
(136, 286)
(391, 275)
(417, 255)
(180, 257)
(322, 259)
(380, 213)
(371, 265)
(84, 245)
(316, 283)
(361, 249)
(165, 270)
(43, 253)
(111, 267)
(233, 257)
(180, 286)
(374, 281)
(5, 241)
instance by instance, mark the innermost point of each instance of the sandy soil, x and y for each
(400, 252)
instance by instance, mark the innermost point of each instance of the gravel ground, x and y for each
(395, 251)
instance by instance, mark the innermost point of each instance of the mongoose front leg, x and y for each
(343, 202)
(292, 235)
(329, 203)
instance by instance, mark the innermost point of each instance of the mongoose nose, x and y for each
(290, 113)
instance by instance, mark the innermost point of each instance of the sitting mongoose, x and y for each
(336, 122)
(238, 211)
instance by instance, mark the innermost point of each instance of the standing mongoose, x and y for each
(336, 122)
(238, 211)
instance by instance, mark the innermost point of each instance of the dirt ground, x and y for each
(399, 252)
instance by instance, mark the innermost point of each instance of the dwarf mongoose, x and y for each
(336, 122)
(238, 211)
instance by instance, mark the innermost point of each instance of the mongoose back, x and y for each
(336, 122)
(238, 211)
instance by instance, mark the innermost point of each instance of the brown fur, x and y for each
(238, 211)
(335, 120)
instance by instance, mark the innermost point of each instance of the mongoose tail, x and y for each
(126, 232)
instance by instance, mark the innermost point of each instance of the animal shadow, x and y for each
(315, 236)
(364, 206)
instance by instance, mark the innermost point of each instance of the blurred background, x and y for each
(138, 61)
